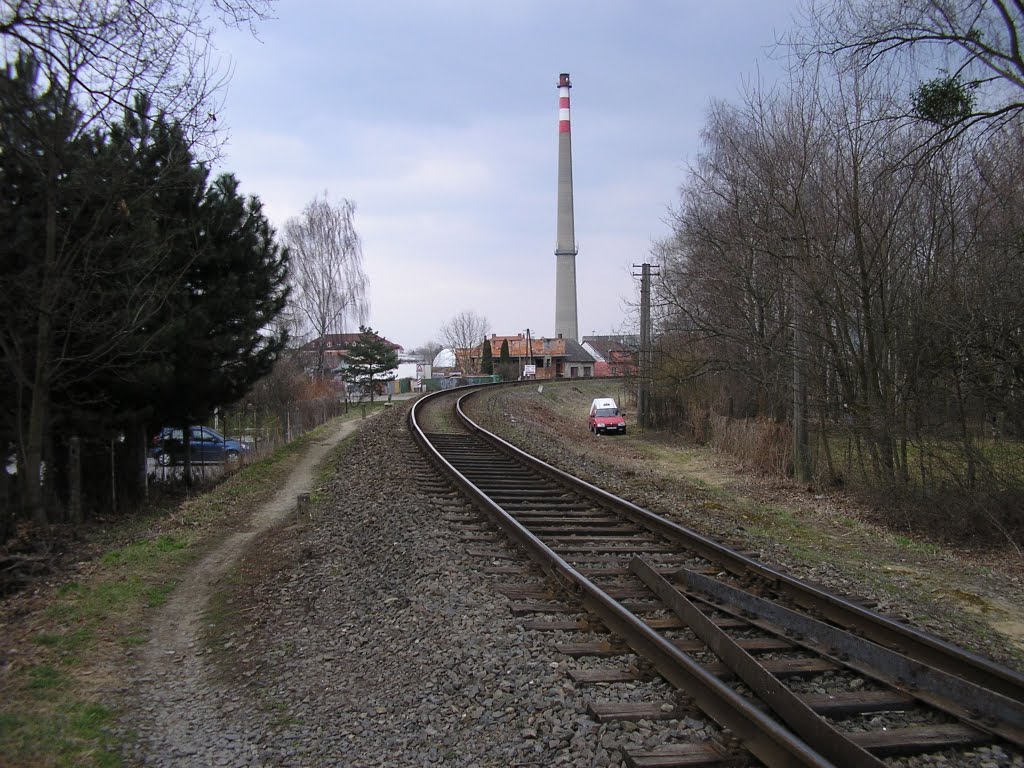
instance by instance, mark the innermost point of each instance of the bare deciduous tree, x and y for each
(329, 285)
(776, 268)
(427, 352)
(464, 334)
(816, 236)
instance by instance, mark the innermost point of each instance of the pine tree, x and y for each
(217, 342)
(370, 360)
(40, 159)
(134, 289)
(83, 215)
(157, 189)
(506, 369)
(486, 359)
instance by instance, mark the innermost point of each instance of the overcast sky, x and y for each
(439, 119)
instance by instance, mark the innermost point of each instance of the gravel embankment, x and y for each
(369, 636)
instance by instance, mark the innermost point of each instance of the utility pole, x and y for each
(646, 374)
(529, 351)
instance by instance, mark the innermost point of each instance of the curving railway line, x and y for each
(797, 676)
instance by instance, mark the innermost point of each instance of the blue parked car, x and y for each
(206, 446)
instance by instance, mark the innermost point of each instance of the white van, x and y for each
(604, 417)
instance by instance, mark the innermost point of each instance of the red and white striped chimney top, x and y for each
(563, 102)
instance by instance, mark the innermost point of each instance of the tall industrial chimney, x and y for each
(565, 244)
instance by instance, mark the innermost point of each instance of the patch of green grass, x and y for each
(88, 720)
(45, 677)
(107, 597)
(916, 547)
(74, 735)
(804, 541)
(96, 604)
(67, 643)
(68, 589)
(157, 594)
(145, 552)
(9, 722)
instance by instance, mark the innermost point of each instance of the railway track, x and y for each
(798, 676)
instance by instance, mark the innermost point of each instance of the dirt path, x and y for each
(175, 629)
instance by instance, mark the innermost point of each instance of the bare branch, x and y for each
(464, 334)
(105, 53)
(979, 41)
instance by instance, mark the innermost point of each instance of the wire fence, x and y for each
(241, 436)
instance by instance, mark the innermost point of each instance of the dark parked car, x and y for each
(206, 446)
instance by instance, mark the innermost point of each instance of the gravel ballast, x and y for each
(368, 635)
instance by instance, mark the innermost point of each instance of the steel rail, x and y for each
(816, 730)
(769, 741)
(961, 698)
(880, 629)
(813, 739)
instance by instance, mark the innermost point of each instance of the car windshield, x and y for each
(604, 412)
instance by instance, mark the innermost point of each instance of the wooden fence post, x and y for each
(75, 479)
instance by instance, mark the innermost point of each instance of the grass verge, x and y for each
(66, 643)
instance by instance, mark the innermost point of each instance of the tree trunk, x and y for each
(39, 409)
(6, 507)
(138, 451)
(75, 480)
